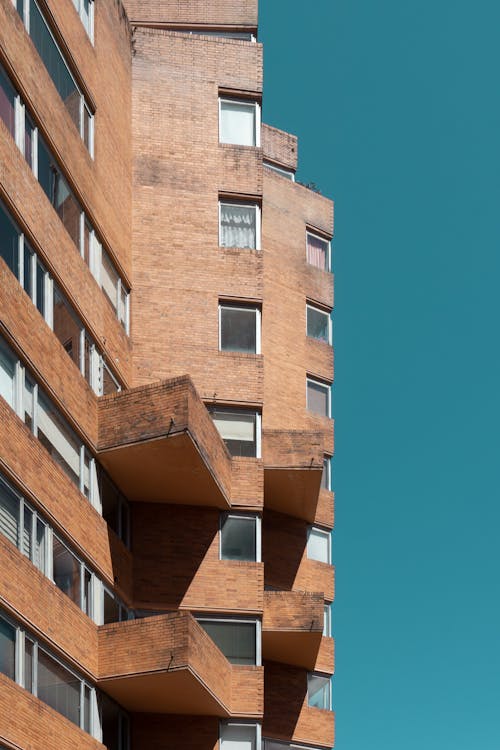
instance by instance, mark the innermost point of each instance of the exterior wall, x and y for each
(195, 12)
(280, 147)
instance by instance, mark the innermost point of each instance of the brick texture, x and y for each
(280, 147)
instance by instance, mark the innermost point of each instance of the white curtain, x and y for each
(317, 251)
(237, 123)
(238, 225)
(318, 546)
(233, 426)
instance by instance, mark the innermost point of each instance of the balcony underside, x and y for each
(299, 648)
(164, 470)
(291, 491)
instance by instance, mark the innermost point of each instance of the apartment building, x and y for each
(166, 366)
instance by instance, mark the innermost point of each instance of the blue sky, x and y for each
(397, 108)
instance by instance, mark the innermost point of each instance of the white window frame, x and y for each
(327, 460)
(316, 308)
(258, 425)
(325, 533)
(242, 204)
(257, 119)
(327, 620)
(289, 174)
(243, 621)
(328, 680)
(255, 724)
(258, 533)
(258, 322)
(328, 252)
(328, 387)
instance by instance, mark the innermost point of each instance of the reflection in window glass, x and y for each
(7, 375)
(236, 640)
(238, 538)
(66, 571)
(7, 103)
(318, 324)
(66, 327)
(326, 483)
(58, 687)
(318, 397)
(238, 329)
(9, 513)
(7, 649)
(9, 242)
(28, 663)
(318, 691)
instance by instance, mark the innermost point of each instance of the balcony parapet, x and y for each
(169, 664)
(159, 444)
(279, 147)
(292, 627)
(293, 465)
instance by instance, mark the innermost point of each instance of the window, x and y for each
(67, 571)
(326, 479)
(318, 544)
(245, 36)
(240, 430)
(114, 608)
(238, 736)
(318, 691)
(327, 621)
(317, 251)
(22, 659)
(115, 508)
(56, 65)
(318, 324)
(239, 225)
(288, 173)
(240, 537)
(318, 397)
(239, 640)
(114, 724)
(239, 328)
(7, 375)
(8, 97)
(85, 9)
(239, 122)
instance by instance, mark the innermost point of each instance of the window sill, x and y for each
(240, 355)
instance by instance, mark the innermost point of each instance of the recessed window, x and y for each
(239, 225)
(239, 640)
(318, 544)
(240, 430)
(326, 478)
(288, 173)
(319, 691)
(239, 328)
(85, 9)
(327, 621)
(239, 122)
(239, 537)
(318, 324)
(317, 251)
(238, 736)
(318, 397)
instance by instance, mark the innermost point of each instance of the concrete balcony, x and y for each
(293, 465)
(292, 627)
(169, 664)
(159, 444)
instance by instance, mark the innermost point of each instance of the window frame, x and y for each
(257, 119)
(289, 174)
(243, 621)
(328, 685)
(328, 387)
(323, 311)
(328, 535)
(327, 620)
(235, 410)
(319, 236)
(258, 222)
(258, 533)
(258, 323)
(327, 462)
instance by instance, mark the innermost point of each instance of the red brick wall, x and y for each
(218, 12)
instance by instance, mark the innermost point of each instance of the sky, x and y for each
(397, 109)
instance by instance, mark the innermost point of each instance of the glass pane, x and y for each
(66, 571)
(325, 476)
(87, 238)
(87, 121)
(317, 398)
(27, 545)
(110, 721)
(110, 500)
(237, 123)
(237, 429)
(28, 664)
(47, 170)
(317, 324)
(327, 630)
(317, 251)
(54, 62)
(86, 708)
(238, 329)
(238, 538)
(86, 473)
(318, 691)
(7, 374)
(9, 242)
(29, 131)
(87, 592)
(109, 280)
(318, 545)
(7, 649)
(9, 513)
(28, 266)
(58, 687)
(238, 225)
(40, 288)
(236, 640)
(57, 437)
(28, 394)
(67, 207)
(7, 102)
(238, 737)
(122, 313)
(39, 560)
(20, 8)
(109, 383)
(67, 327)
(111, 608)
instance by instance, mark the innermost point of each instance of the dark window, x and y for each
(238, 538)
(58, 687)
(236, 640)
(7, 649)
(7, 103)
(238, 328)
(9, 242)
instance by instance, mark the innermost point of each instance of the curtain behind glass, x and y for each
(238, 225)
(237, 123)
